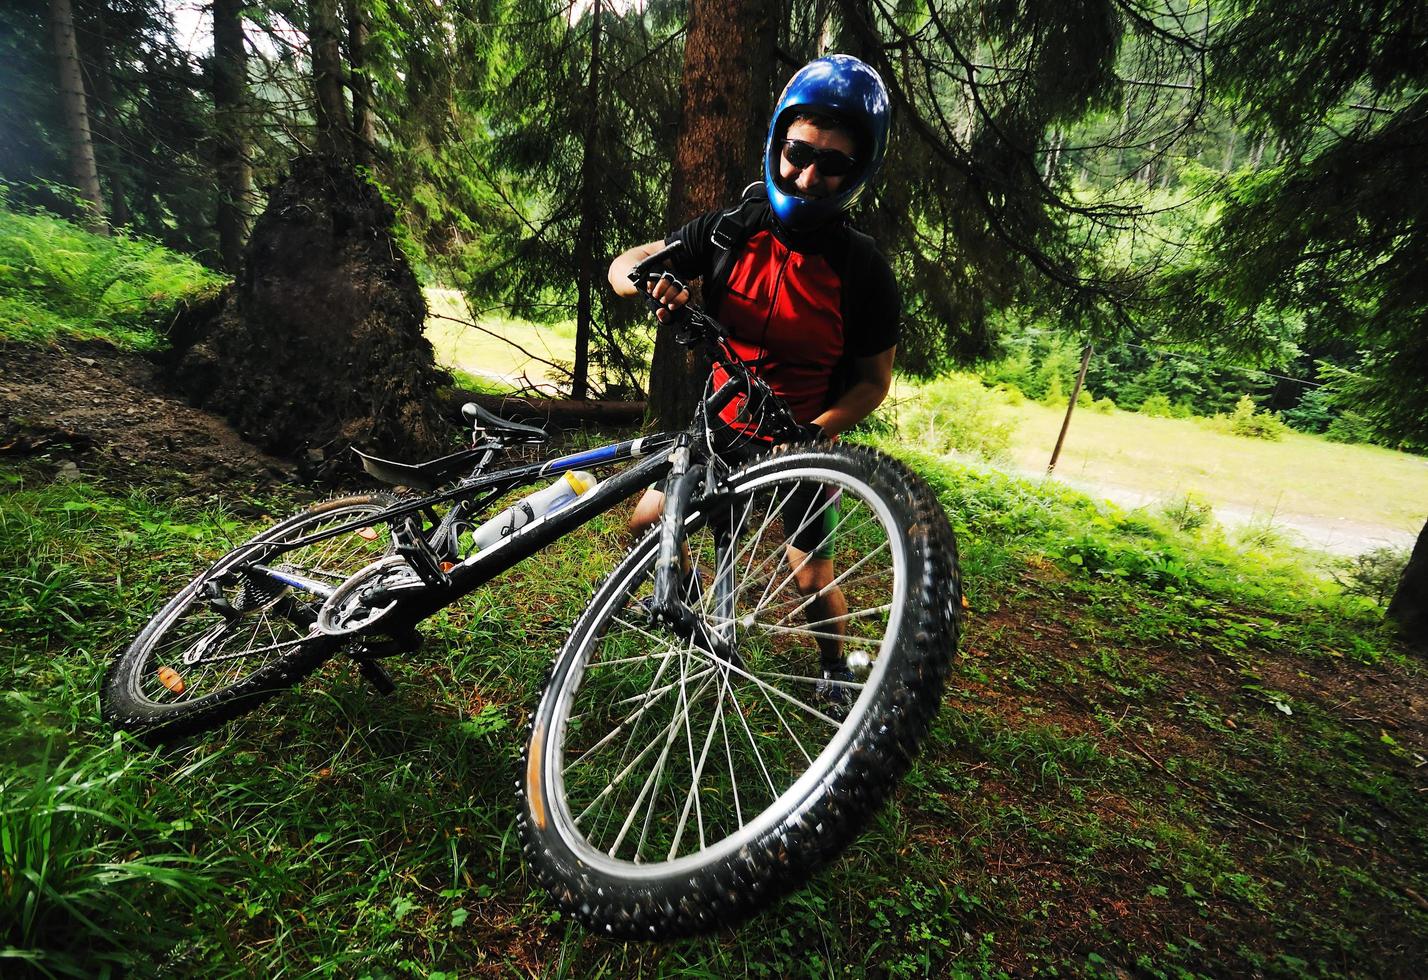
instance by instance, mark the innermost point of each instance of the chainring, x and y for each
(354, 607)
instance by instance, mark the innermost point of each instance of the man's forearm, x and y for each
(857, 403)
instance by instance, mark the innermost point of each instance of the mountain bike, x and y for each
(694, 753)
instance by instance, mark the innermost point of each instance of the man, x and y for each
(808, 301)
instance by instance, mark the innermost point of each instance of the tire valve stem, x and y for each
(171, 679)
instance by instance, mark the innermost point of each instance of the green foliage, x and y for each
(957, 413)
(57, 278)
(1314, 413)
(1250, 421)
(1037, 360)
(1332, 235)
(1156, 405)
(1190, 513)
(1375, 574)
(1351, 427)
(150, 117)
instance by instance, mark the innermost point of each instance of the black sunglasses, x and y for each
(831, 163)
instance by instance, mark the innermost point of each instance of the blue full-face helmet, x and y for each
(848, 90)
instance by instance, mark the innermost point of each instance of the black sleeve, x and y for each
(696, 259)
(875, 308)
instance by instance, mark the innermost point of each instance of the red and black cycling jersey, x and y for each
(798, 315)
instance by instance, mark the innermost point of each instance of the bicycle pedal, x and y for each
(371, 649)
(377, 675)
(419, 555)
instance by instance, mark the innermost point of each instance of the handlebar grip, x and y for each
(643, 267)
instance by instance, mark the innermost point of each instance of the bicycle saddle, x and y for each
(493, 423)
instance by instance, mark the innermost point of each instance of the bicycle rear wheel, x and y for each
(673, 786)
(234, 636)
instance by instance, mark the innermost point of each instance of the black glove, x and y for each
(812, 432)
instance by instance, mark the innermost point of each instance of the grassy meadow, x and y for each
(500, 353)
(1165, 458)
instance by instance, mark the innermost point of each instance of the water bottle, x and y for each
(527, 509)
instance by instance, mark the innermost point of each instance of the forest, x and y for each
(1166, 750)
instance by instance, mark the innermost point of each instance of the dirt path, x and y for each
(87, 409)
(1337, 536)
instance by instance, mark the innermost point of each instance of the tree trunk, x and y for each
(230, 87)
(329, 108)
(589, 208)
(76, 114)
(364, 118)
(1409, 606)
(106, 125)
(724, 104)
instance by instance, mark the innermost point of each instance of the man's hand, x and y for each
(670, 293)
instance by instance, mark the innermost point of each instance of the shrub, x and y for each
(957, 413)
(1314, 413)
(1157, 406)
(1373, 574)
(1350, 427)
(1103, 405)
(1246, 420)
(1189, 513)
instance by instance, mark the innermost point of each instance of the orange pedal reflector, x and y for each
(367, 533)
(447, 566)
(170, 679)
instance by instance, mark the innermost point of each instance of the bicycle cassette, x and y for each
(367, 597)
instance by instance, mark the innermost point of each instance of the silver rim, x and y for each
(661, 757)
(208, 652)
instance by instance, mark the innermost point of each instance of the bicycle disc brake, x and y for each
(368, 597)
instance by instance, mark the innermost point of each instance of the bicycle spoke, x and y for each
(771, 689)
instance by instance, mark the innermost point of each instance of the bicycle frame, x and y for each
(671, 454)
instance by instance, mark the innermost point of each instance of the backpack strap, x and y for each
(734, 227)
(860, 254)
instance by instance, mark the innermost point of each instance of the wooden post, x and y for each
(1070, 407)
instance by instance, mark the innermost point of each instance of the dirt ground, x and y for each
(85, 409)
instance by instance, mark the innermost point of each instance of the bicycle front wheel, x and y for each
(235, 636)
(673, 785)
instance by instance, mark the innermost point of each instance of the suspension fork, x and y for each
(713, 632)
(680, 486)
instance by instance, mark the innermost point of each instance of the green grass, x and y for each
(1112, 787)
(57, 279)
